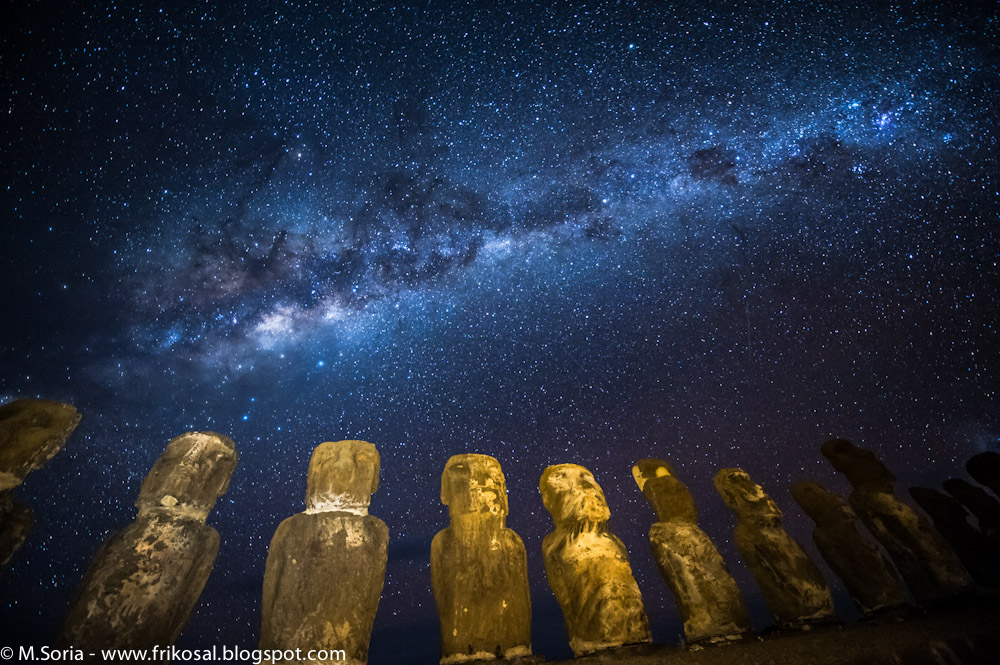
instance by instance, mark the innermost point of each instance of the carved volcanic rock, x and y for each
(927, 564)
(985, 469)
(708, 600)
(587, 567)
(980, 503)
(146, 579)
(792, 585)
(326, 566)
(979, 554)
(32, 431)
(479, 569)
(861, 566)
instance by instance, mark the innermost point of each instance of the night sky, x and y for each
(549, 232)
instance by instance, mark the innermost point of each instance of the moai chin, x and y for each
(985, 470)
(326, 566)
(587, 566)
(928, 566)
(32, 431)
(980, 503)
(479, 570)
(792, 585)
(145, 580)
(708, 600)
(979, 554)
(864, 570)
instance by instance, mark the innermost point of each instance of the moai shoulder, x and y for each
(792, 585)
(326, 566)
(479, 568)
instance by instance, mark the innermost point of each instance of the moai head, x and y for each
(972, 497)
(343, 475)
(474, 485)
(572, 496)
(862, 467)
(985, 469)
(746, 498)
(820, 504)
(190, 475)
(941, 507)
(32, 431)
(669, 497)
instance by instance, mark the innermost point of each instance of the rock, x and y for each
(926, 563)
(980, 503)
(479, 569)
(792, 585)
(979, 554)
(32, 431)
(144, 581)
(708, 600)
(587, 566)
(326, 566)
(985, 470)
(864, 570)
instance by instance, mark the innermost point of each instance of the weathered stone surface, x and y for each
(979, 554)
(926, 563)
(146, 579)
(326, 566)
(792, 585)
(587, 567)
(16, 521)
(479, 570)
(864, 570)
(980, 503)
(708, 600)
(32, 431)
(985, 470)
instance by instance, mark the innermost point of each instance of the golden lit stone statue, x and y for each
(924, 560)
(146, 579)
(32, 431)
(709, 602)
(326, 566)
(479, 570)
(792, 585)
(587, 566)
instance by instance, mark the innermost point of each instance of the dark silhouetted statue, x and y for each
(980, 503)
(326, 566)
(708, 600)
(587, 566)
(985, 470)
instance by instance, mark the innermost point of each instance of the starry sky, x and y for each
(583, 232)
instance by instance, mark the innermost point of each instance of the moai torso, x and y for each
(979, 555)
(980, 503)
(326, 566)
(928, 566)
(146, 579)
(32, 431)
(792, 585)
(985, 470)
(587, 567)
(708, 600)
(861, 566)
(479, 569)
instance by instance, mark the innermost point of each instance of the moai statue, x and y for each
(985, 470)
(325, 567)
(924, 560)
(479, 570)
(32, 431)
(861, 566)
(792, 585)
(587, 566)
(979, 554)
(980, 503)
(709, 602)
(145, 580)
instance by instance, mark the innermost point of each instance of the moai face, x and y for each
(822, 505)
(572, 496)
(474, 485)
(190, 475)
(745, 497)
(669, 497)
(32, 431)
(985, 469)
(861, 466)
(343, 475)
